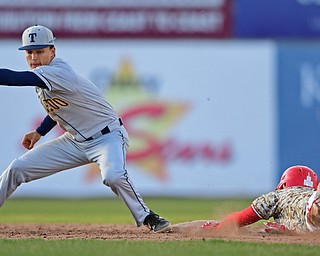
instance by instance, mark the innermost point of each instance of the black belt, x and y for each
(106, 130)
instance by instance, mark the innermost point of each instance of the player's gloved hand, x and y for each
(209, 225)
(275, 228)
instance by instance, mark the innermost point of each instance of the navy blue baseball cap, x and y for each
(37, 37)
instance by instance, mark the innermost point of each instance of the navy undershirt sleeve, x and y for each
(46, 125)
(20, 78)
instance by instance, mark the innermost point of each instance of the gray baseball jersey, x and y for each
(73, 102)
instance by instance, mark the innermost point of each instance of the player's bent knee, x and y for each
(113, 180)
(16, 171)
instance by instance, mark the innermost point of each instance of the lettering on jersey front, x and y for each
(54, 104)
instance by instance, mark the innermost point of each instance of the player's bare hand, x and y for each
(30, 139)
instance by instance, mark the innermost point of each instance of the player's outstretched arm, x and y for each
(30, 139)
(235, 220)
(20, 78)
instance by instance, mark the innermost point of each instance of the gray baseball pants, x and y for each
(108, 151)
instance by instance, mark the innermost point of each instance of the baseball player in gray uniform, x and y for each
(294, 206)
(93, 131)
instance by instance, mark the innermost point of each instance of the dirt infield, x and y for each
(130, 232)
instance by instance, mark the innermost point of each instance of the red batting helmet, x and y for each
(298, 175)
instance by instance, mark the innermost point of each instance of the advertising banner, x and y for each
(200, 115)
(299, 105)
(207, 19)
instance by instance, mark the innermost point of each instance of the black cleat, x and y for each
(156, 223)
